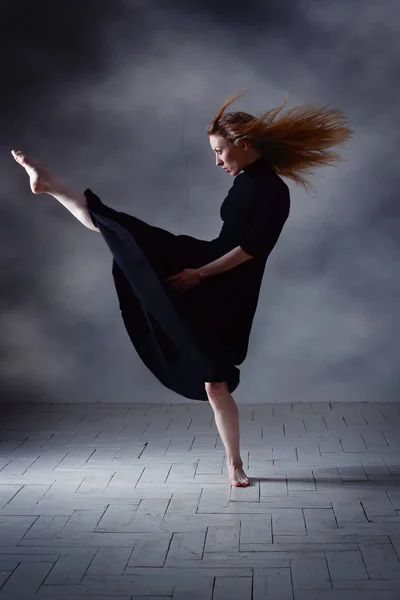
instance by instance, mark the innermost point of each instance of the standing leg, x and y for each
(227, 420)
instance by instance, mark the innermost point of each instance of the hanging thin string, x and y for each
(185, 159)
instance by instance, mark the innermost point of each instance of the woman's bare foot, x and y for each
(41, 179)
(237, 477)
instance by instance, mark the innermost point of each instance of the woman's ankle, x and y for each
(237, 463)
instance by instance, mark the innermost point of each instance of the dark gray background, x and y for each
(116, 96)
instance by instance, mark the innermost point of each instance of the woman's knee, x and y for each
(216, 388)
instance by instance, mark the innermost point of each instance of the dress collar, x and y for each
(257, 166)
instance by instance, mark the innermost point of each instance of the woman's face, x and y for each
(229, 157)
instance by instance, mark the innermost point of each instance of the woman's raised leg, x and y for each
(43, 181)
(227, 420)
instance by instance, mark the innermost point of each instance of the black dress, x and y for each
(200, 335)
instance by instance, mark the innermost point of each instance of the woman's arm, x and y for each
(224, 263)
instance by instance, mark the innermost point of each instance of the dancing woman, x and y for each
(188, 304)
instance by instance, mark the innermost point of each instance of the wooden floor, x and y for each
(132, 502)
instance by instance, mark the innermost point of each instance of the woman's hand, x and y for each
(185, 279)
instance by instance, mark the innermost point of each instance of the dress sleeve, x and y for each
(267, 222)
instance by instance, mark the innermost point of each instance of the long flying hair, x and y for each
(294, 143)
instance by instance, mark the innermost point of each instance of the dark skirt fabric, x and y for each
(184, 339)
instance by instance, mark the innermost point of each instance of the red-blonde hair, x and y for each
(295, 143)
